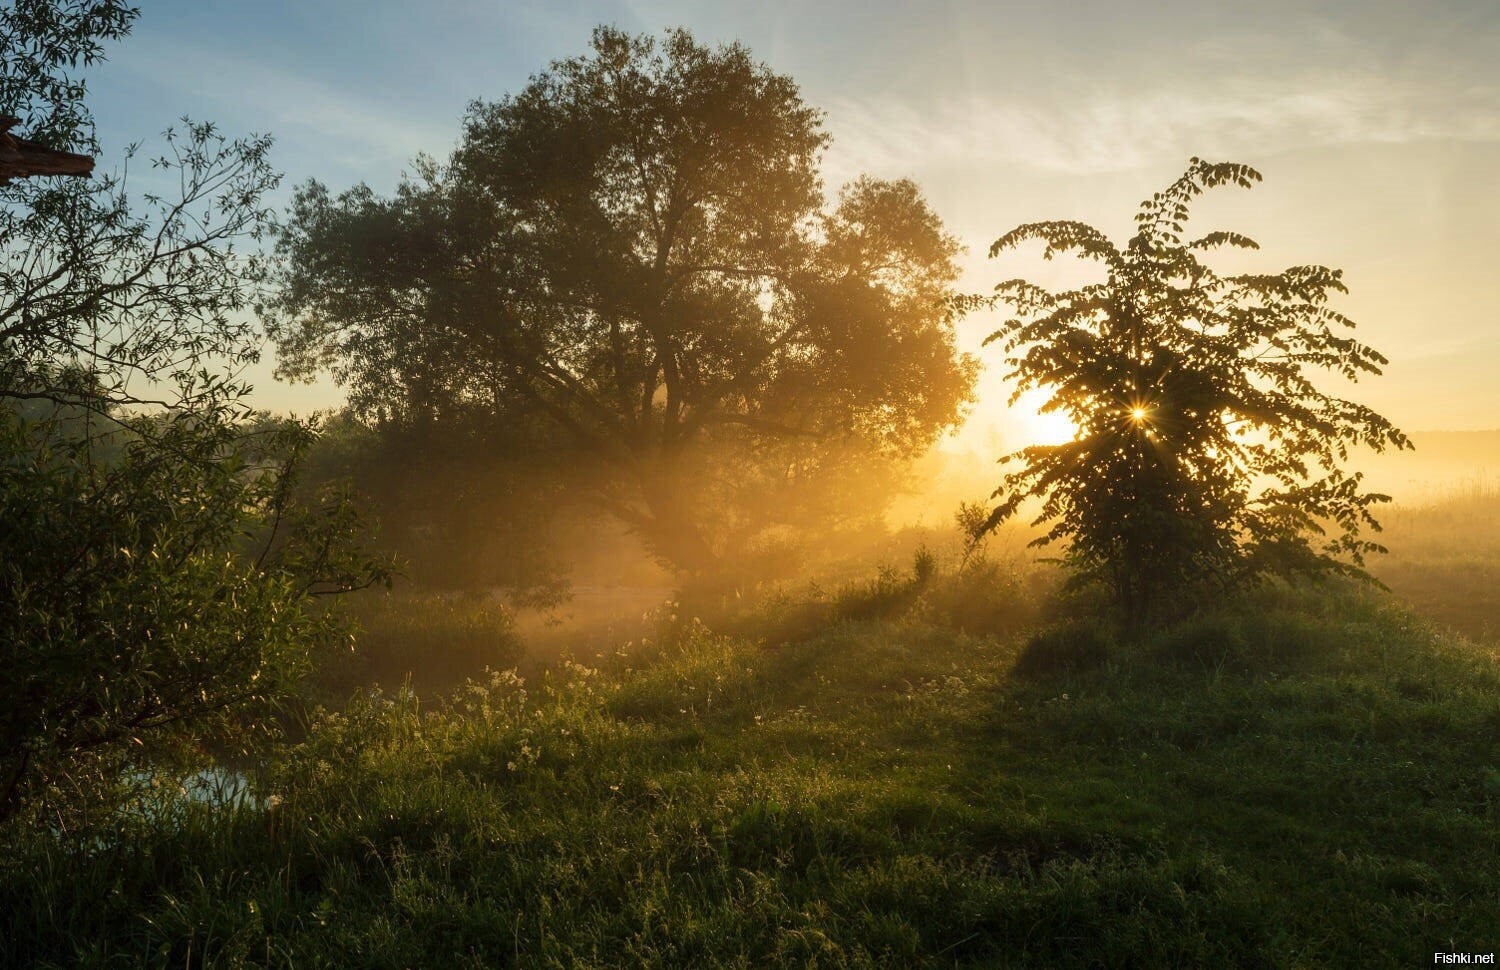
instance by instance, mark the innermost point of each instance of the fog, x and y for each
(1442, 530)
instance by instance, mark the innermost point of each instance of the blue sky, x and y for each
(1377, 126)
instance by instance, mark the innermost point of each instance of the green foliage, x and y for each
(45, 42)
(154, 602)
(110, 300)
(1205, 454)
(980, 598)
(156, 567)
(628, 268)
(924, 566)
(458, 516)
(885, 595)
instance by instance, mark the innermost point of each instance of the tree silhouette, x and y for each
(631, 259)
(1205, 454)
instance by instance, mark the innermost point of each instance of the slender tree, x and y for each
(1205, 452)
(109, 299)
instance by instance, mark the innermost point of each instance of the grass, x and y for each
(1304, 778)
(1445, 559)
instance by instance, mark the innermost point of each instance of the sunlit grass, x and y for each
(1444, 558)
(1301, 778)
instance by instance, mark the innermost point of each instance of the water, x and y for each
(218, 788)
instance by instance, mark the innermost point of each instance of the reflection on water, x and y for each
(220, 787)
(160, 793)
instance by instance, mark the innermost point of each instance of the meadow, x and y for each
(1444, 558)
(934, 766)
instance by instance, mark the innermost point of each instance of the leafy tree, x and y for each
(627, 262)
(156, 561)
(45, 41)
(106, 300)
(1204, 452)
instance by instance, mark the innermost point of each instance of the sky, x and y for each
(1375, 124)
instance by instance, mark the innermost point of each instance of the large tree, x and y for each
(632, 260)
(1206, 453)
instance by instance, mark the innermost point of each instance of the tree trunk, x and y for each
(673, 534)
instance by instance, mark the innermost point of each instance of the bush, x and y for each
(885, 595)
(1176, 378)
(154, 600)
(981, 597)
(1069, 648)
(155, 565)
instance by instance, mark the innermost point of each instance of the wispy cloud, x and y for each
(361, 133)
(1106, 131)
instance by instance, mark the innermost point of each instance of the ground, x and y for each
(1304, 778)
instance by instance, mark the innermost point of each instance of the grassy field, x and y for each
(1445, 558)
(891, 777)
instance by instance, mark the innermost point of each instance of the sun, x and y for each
(1043, 428)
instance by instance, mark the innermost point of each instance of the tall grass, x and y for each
(1445, 558)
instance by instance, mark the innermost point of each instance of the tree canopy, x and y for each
(1205, 452)
(629, 260)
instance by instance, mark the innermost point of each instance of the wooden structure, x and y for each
(21, 158)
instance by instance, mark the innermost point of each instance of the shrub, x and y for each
(1205, 456)
(981, 597)
(1068, 648)
(886, 595)
(136, 627)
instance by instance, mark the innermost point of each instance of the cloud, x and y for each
(1103, 131)
(364, 134)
